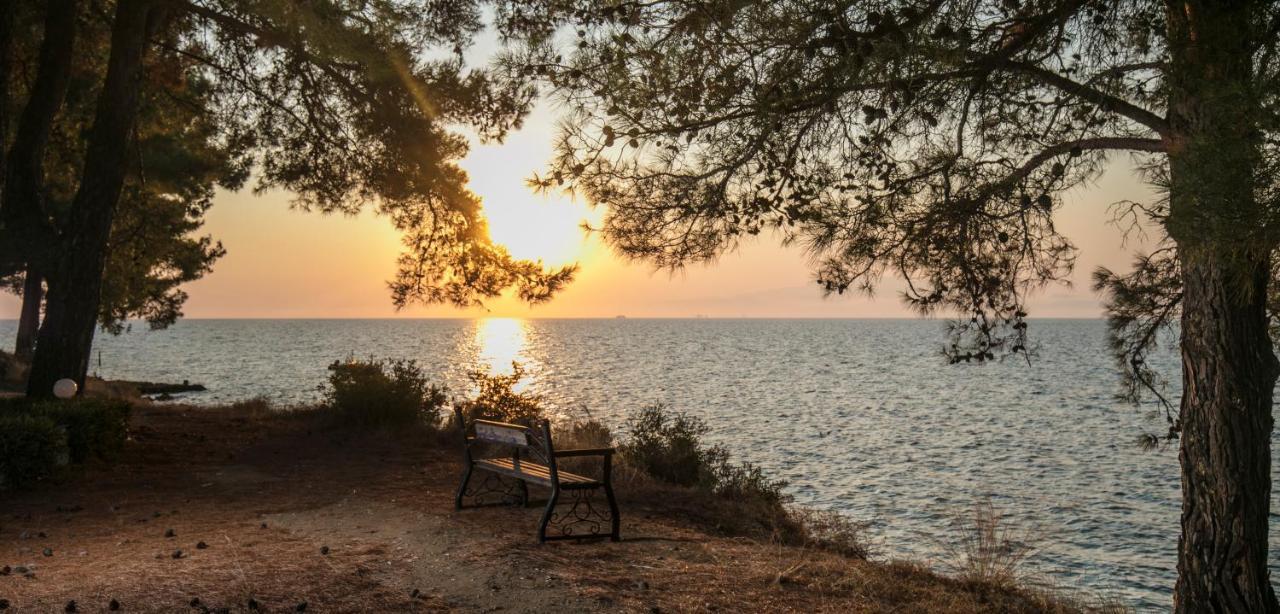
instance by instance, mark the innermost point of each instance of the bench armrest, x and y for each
(584, 452)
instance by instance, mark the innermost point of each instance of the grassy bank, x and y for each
(348, 507)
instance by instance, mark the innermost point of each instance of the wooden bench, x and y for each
(532, 460)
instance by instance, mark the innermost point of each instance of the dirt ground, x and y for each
(232, 509)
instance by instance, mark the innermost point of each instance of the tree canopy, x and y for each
(350, 105)
(930, 140)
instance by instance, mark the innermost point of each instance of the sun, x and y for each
(538, 228)
(533, 226)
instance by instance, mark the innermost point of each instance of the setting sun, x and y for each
(549, 230)
(532, 226)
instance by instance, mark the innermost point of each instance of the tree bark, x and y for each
(75, 284)
(29, 233)
(1229, 373)
(1229, 368)
(29, 318)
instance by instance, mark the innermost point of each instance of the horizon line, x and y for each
(618, 317)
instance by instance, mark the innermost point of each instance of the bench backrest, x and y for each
(502, 432)
(535, 442)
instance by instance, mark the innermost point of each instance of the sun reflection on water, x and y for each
(501, 341)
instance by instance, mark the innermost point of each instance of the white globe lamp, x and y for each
(65, 388)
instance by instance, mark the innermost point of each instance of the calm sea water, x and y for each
(860, 416)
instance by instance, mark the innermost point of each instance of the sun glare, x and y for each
(532, 226)
(533, 229)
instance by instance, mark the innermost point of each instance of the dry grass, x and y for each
(986, 548)
(987, 551)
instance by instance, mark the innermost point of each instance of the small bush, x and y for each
(96, 428)
(584, 434)
(496, 398)
(668, 447)
(32, 448)
(256, 407)
(737, 498)
(13, 372)
(826, 530)
(745, 481)
(383, 393)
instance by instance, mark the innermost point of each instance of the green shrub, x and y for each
(496, 398)
(32, 447)
(383, 393)
(825, 530)
(746, 482)
(668, 447)
(736, 498)
(96, 428)
(589, 433)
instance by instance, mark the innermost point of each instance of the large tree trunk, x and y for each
(29, 233)
(1229, 373)
(75, 285)
(29, 317)
(1229, 369)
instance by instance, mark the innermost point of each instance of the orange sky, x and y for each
(287, 264)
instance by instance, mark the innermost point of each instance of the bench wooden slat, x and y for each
(530, 471)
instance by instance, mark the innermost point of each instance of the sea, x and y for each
(864, 417)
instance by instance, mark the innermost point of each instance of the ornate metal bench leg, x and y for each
(546, 515)
(466, 479)
(524, 494)
(615, 533)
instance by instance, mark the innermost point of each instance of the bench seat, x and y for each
(534, 472)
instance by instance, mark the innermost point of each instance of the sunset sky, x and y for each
(288, 264)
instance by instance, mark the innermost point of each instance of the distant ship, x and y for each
(619, 317)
